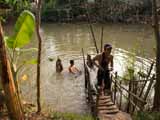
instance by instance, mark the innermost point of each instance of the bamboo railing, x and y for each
(136, 100)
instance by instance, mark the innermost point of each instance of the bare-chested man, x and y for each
(72, 68)
(104, 61)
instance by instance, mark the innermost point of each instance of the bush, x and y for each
(69, 116)
(147, 116)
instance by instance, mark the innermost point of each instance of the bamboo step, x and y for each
(118, 116)
(104, 97)
(101, 100)
(107, 108)
(109, 111)
(106, 104)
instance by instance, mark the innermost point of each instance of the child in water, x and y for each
(73, 69)
(59, 66)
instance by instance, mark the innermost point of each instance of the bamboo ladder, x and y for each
(101, 104)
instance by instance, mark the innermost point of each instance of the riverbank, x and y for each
(73, 116)
(50, 116)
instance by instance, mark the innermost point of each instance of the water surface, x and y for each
(63, 92)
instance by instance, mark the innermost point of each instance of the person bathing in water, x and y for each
(104, 61)
(72, 68)
(90, 62)
(59, 66)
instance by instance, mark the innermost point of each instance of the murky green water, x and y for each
(63, 92)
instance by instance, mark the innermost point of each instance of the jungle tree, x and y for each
(13, 103)
(156, 105)
(23, 31)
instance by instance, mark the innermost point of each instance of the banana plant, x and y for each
(23, 31)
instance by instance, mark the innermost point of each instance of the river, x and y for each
(65, 93)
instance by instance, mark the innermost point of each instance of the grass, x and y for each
(69, 116)
(147, 116)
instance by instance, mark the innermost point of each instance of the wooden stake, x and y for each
(91, 29)
(85, 70)
(38, 19)
(102, 38)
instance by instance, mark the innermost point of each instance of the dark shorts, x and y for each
(104, 75)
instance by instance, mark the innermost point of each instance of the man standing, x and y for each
(104, 61)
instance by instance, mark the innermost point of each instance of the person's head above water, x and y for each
(107, 48)
(58, 60)
(72, 62)
(88, 57)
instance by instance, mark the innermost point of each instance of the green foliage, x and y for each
(10, 9)
(147, 116)
(57, 10)
(32, 61)
(22, 50)
(23, 30)
(16, 3)
(69, 116)
(130, 68)
(10, 2)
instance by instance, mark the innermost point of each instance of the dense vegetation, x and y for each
(76, 10)
(100, 10)
(10, 9)
(147, 116)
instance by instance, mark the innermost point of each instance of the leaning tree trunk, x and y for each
(38, 19)
(156, 105)
(12, 102)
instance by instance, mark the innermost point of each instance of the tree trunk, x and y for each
(38, 19)
(12, 102)
(156, 104)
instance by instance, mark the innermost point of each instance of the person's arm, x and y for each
(95, 60)
(112, 64)
(77, 69)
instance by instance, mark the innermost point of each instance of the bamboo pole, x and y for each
(91, 29)
(115, 89)
(137, 107)
(121, 87)
(156, 104)
(145, 82)
(131, 94)
(102, 28)
(38, 19)
(149, 88)
(120, 103)
(85, 71)
(129, 97)
(102, 38)
(150, 70)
